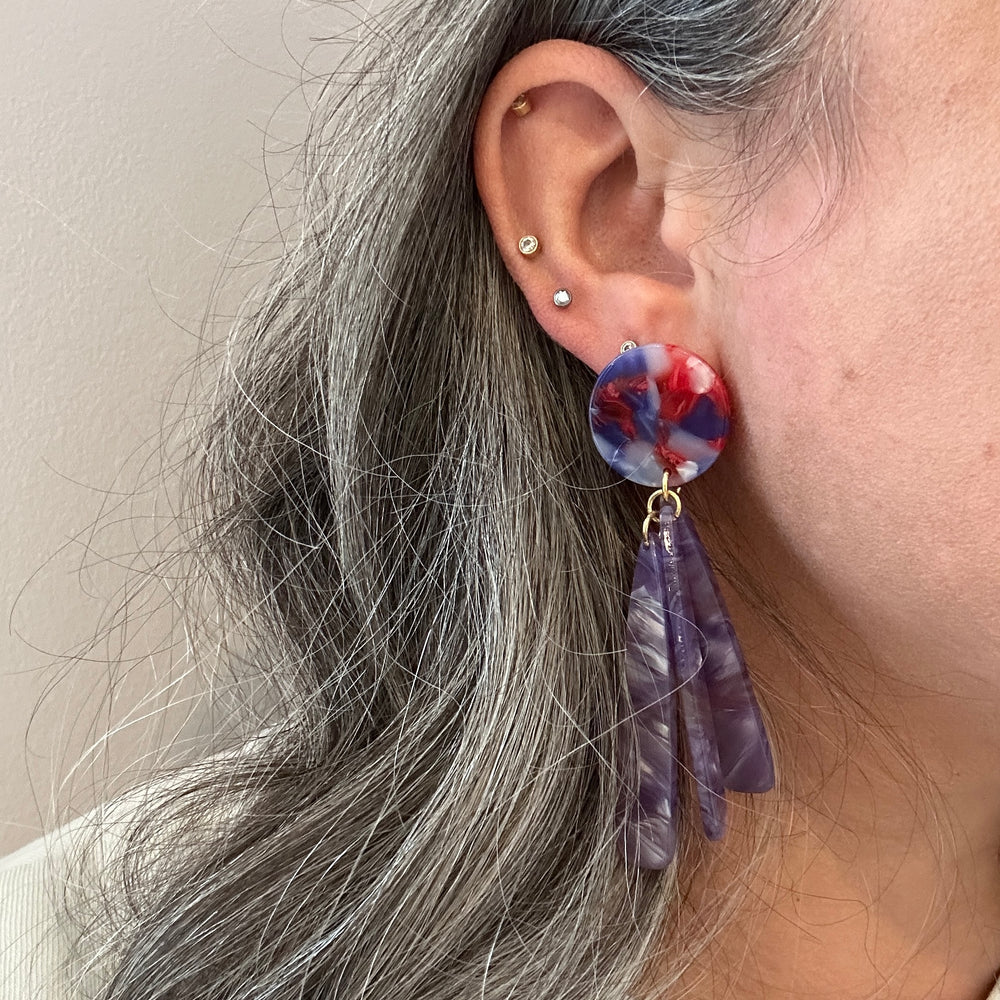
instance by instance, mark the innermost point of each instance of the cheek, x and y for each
(865, 371)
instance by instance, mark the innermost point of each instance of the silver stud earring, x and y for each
(562, 298)
(627, 346)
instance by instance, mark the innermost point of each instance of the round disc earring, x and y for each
(659, 407)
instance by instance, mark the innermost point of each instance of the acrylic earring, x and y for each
(660, 417)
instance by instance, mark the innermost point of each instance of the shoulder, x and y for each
(35, 935)
(44, 949)
(47, 891)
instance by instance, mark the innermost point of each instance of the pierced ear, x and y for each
(595, 170)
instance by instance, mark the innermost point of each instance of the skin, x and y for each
(863, 367)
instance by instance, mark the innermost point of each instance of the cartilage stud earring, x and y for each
(521, 106)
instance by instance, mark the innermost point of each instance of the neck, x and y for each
(879, 875)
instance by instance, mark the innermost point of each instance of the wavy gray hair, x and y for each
(424, 559)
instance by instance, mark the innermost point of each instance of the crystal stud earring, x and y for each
(528, 245)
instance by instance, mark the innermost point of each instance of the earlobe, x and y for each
(572, 150)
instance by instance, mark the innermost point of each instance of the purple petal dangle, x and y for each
(647, 810)
(744, 752)
(695, 700)
(660, 414)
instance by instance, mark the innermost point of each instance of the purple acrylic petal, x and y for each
(744, 751)
(648, 735)
(695, 704)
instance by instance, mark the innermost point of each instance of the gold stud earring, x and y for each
(521, 105)
(529, 245)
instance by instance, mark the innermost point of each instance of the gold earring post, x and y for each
(521, 105)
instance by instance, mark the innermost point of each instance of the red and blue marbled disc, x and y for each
(659, 407)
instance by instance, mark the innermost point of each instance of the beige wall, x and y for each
(131, 152)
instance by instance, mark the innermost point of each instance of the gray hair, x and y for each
(424, 559)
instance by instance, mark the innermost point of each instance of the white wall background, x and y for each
(131, 153)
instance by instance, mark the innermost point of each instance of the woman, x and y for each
(426, 561)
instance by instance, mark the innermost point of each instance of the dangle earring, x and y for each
(660, 417)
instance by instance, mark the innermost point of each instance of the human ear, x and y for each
(602, 176)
